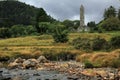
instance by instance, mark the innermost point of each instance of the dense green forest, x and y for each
(13, 12)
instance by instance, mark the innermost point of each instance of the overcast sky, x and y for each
(69, 9)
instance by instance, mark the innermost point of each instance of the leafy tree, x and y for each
(91, 25)
(43, 27)
(31, 30)
(60, 34)
(68, 24)
(110, 24)
(76, 24)
(110, 12)
(71, 25)
(18, 30)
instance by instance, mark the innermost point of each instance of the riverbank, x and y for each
(65, 70)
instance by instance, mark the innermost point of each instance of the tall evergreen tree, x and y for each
(110, 12)
(105, 14)
(119, 14)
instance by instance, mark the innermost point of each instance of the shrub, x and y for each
(82, 43)
(99, 44)
(88, 64)
(88, 44)
(115, 63)
(60, 34)
(115, 42)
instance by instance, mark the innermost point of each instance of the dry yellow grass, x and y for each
(42, 43)
(83, 57)
(100, 58)
(97, 55)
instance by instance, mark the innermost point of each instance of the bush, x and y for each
(99, 44)
(88, 64)
(115, 42)
(60, 34)
(115, 63)
(88, 44)
(82, 43)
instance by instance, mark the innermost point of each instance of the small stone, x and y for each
(42, 59)
(17, 78)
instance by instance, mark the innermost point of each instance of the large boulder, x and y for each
(30, 63)
(42, 59)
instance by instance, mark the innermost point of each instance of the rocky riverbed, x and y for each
(43, 69)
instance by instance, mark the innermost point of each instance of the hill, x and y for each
(13, 12)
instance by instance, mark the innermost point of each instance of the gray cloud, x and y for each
(69, 9)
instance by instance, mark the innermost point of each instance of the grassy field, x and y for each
(42, 43)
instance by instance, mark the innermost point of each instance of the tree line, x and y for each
(19, 19)
(110, 22)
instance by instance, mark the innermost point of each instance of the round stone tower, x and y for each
(82, 19)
